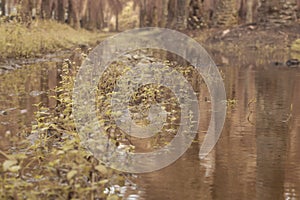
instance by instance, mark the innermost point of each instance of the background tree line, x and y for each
(178, 14)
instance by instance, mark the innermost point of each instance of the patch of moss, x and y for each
(49, 161)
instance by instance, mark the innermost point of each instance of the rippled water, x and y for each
(257, 156)
(20, 89)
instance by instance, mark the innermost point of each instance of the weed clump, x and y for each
(53, 164)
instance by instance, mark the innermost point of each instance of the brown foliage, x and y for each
(178, 14)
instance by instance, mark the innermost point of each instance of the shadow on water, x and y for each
(256, 157)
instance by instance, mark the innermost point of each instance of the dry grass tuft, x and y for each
(20, 40)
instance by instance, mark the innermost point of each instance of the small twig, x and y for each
(248, 117)
(5, 155)
(290, 115)
(288, 118)
(250, 111)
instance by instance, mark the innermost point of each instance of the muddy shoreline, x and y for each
(269, 43)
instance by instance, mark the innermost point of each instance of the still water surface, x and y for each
(257, 156)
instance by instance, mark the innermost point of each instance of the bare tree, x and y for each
(90, 13)
(93, 17)
(25, 10)
(116, 7)
(250, 10)
(76, 10)
(163, 13)
(50, 9)
(9, 5)
(153, 12)
(247, 11)
(226, 13)
(182, 14)
(3, 3)
(45, 9)
(61, 10)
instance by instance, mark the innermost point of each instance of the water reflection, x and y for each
(19, 91)
(257, 156)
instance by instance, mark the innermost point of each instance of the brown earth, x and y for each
(272, 43)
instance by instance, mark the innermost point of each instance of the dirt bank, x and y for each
(272, 43)
(20, 45)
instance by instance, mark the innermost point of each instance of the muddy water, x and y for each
(257, 156)
(20, 90)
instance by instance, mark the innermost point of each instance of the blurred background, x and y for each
(119, 15)
(256, 47)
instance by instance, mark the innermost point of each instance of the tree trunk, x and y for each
(70, 12)
(76, 19)
(38, 8)
(178, 14)
(82, 12)
(25, 10)
(61, 11)
(249, 13)
(143, 13)
(45, 9)
(8, 7)
(172, 13)
(76, 9)
(3, 12)
(263, 12)
(182, 14)
(86, 15)
(100, 18)
(92, 15)
(85, 18)
(117, 22)
(226, 13)
(164, 14)
(242, 10)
